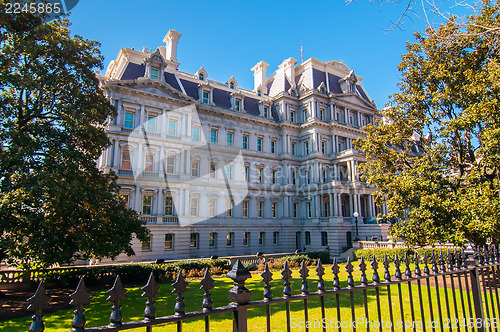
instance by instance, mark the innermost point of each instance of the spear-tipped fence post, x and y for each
(116, 294)
(80, 298)
(150, 291)
(239, 295)
(207, 283)
(37, 303)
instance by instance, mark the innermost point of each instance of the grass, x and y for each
(98, 311)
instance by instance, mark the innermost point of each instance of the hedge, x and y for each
(380, 253)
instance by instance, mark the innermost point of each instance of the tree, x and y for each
(55, 204)
(436, 155)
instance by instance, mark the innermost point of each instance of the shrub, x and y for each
(323, 255)
(380, 253)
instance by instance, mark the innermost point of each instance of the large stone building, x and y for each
(216, 169)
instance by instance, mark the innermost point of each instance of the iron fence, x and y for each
(446, 291)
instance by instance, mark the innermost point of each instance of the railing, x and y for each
(391, 245)
(469, 286)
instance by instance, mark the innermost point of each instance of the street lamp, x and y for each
(356, 221)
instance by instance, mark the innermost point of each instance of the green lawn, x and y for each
(98, 311)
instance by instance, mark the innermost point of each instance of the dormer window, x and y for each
(237, 104)
(154, 73)
(266, 112)
(201, 77)
(231, 85)
(259, 93)
(206, 97)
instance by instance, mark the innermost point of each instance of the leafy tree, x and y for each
(436, 155)
(55, 204)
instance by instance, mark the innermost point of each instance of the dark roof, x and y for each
(222, 98)
(274, 114)
(133, 71)
(191, 88)
(287, 84)
(333, 81)
(252, 106)
(362, 93)
(172, 81)
(318, 78)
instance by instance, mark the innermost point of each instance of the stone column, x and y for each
(332, 210)
(116, 154)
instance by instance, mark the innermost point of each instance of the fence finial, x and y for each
(362, 268)
(320, 272)
(286, 275)
(435, 269)
(80, 298)
(407, 265)
(239, 293)
(387, 274)
(37, 303)
(116, 294)
(397, 263)
(180, 287)
(349, 268)
(375, 277)
(150, 291)
(336, 271)
(449, 259)
(442, 266)
(304, 273)
(267, 277)
(426, 266)
(207, 283)
(416, 261)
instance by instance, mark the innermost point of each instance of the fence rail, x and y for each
(462, 287)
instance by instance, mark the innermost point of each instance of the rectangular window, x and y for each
(260, 175)
(295, 210)
(274, 209)
(237, 104)
(308, 238)
(171, 128)
(308, 208)
(306, 147)
(323, 146)
(212, 170)
(229, 208)
(246, 238)
(294, 177)
(212, 207)
(260, 209)
(325, 174)
(273, 146)
(195, 168)
(194, 206)
(170, 164)
(276, 236)
(147, 202)
(266, 115)
(273, 176)
(151, 123)
(146, 244)
(306, 115)
(229, 172)
(322, 114)
(212, 240)
(230, 239)
(262, 238)
(154, 74)
(206, 97)
(149, 162)
(126, 159)
(308, 178)
(292, 117)
(324, 239)
(213, 136)
(196, 134)
(169, 206)
(193, 243)
(245, 141)
(244, 206)
(294, 148)
(129, 120)
(169, 241)
(229, 139)
(259, 144)
(245, 173)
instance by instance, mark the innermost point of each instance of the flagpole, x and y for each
(301, 53)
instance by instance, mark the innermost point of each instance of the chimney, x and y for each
(259, 76)
(288, 67)
(171, 39)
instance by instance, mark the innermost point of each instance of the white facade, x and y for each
(215, 169)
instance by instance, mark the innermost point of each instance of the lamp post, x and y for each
(356, 214)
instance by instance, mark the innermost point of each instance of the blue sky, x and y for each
(229, 37)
